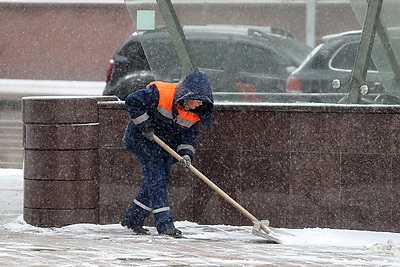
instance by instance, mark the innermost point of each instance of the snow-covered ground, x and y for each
(204, 245)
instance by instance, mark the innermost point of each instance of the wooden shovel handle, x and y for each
(208, 182)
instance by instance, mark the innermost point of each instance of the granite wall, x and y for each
(295, 165)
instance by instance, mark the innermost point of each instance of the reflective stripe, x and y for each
(140, 119)
(189, 147)
(165, 112)
(161, 210)
(179, 120)
(140, 204)
(143, 206)
(184, 122)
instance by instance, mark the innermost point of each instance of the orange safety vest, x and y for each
(167, 91)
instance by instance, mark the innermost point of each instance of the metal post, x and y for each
(310, 23)
(383, 34)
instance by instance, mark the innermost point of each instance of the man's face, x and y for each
(192, 104)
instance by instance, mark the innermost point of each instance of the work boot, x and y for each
(137, 229)
(173, 232)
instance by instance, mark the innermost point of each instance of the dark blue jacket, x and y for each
(142, 108)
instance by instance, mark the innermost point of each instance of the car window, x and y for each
(209, 54)
(162, 58)
(254, 59)
(134, 56)
(296, 50)
(345, 57)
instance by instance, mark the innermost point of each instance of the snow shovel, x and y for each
(260, 228)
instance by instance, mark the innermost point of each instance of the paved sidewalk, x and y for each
(112, 245)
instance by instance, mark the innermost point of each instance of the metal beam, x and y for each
(178, 38)
(359, 71)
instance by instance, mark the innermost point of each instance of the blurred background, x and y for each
(74, 40)
(55, 47)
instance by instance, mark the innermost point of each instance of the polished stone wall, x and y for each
(295, 165)
(61, 160)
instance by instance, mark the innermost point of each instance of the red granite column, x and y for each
(61, 160)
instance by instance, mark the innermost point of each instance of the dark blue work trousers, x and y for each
(152, 196)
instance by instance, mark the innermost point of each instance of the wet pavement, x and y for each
(204, 245)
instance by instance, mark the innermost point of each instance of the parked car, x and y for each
(236, 58)
(328, 67)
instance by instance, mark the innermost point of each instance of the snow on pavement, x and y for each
(203, 245)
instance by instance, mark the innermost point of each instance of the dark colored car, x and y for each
(328, 67)
(237, 59)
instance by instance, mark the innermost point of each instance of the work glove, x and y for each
(185, 161)
(148, 132)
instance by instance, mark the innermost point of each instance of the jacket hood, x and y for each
(196, 86)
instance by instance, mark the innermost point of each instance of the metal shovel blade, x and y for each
(260, 228)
